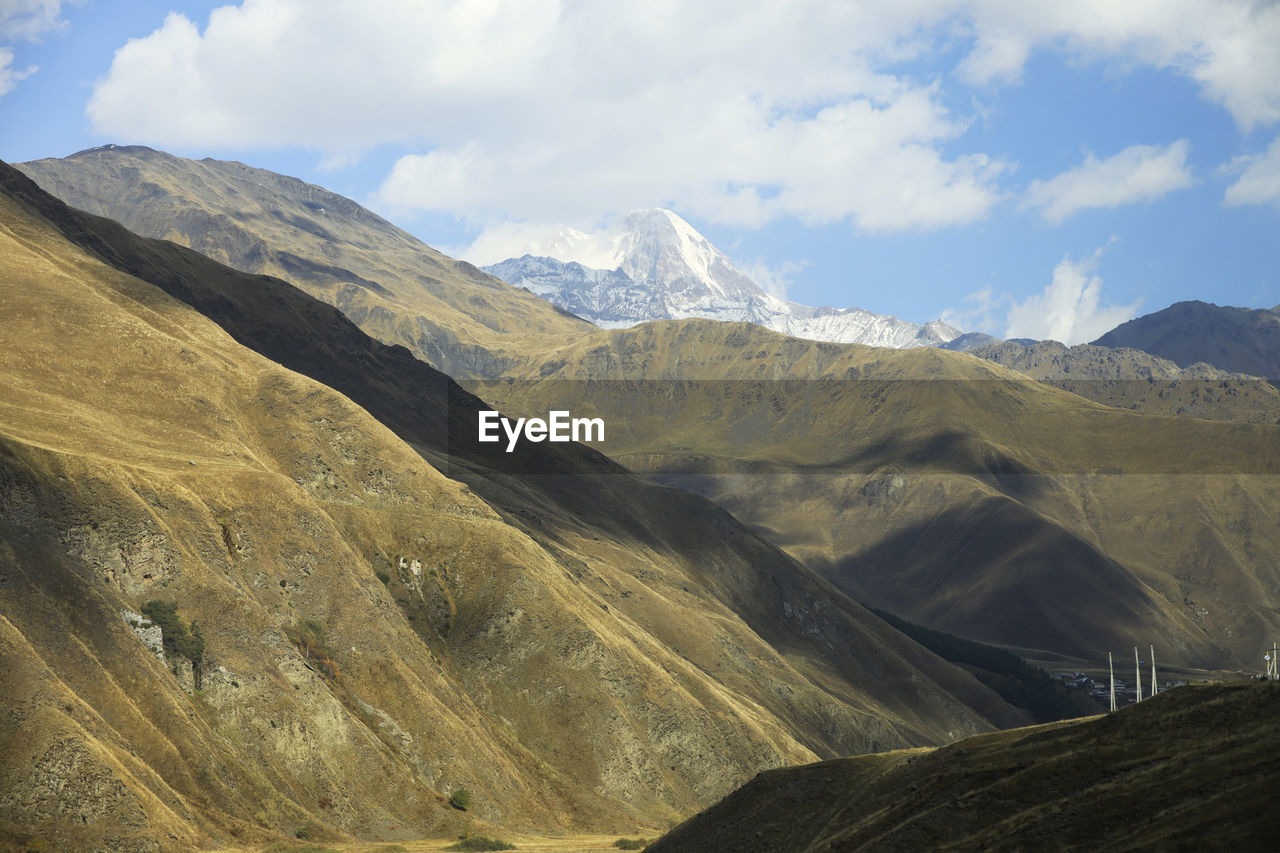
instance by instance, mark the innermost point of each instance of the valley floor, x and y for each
(537, 844)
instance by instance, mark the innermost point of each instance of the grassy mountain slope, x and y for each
(954, 492)
(1193, 769)
(574, 645)
(393, 286)
(145, 454)
(961, 497)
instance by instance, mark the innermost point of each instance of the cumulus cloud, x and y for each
(1138, 173)
(1070, 308)
(567, 110)
(1259, 178)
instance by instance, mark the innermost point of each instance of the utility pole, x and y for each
(1137, 674)
(1153, 670)
(1111, 671)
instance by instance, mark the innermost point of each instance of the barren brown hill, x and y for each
(396, 288)
(574, 645)
(1132, 379)
(951, 491)
(1193, 769)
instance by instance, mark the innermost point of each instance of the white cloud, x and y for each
(774, 279)
(27, 20)
(568, 110)
(503, 240)
(1259, 181)
(23, 20)
(1228, 47)
(1138, 173)
(981, 312)
(538, 111)
(1070, 308)
(10, 77)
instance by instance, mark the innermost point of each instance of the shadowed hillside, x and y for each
(954, 492)
(575, 646)
(1193, 769)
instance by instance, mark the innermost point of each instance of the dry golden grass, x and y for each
(579, 651)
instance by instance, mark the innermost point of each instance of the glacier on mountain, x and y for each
(653, 265)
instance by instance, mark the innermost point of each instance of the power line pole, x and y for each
(1137, 674)
(1111, 671)
(1153, 670)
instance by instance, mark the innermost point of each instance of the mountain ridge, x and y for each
(949, 490)
(1196, 751)
(653, 265)
(476, 626)
(1239, 340)
(398, 289)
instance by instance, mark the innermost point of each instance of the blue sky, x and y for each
(1039, 170)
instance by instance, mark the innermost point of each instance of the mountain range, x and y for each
(947, 489)
(1011, 478)
(1241, 340)
(232, 400)
(572, 644)
(652, 265)
(1132, 379)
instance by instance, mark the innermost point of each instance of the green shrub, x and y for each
(308, 636)
(461, 799)
(177, 638)
(479, 842)
(385, 577)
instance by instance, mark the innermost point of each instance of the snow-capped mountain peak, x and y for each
(654, 265)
